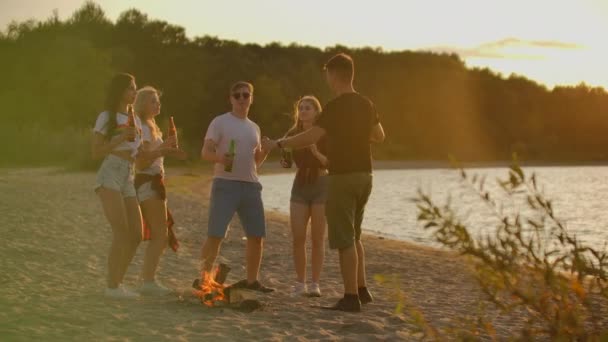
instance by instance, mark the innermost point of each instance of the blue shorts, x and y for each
(229, 197)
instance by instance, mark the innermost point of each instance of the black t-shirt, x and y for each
(348, 121)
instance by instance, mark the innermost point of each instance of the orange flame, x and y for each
(210, 291)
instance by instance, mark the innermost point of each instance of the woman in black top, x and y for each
(308, 196)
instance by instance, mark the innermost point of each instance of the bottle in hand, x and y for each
(173, 131)
(131, 120)
(287, 155)
(231, 153)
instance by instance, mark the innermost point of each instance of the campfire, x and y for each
(211, 291)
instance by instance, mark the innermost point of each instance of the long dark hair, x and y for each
(114, 96)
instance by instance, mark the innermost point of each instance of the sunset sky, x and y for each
(550, 41)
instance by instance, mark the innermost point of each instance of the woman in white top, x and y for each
(118, 143)
(150, 187)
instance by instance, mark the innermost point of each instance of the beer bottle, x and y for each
(130, 120)
(231, 153)
(287, 155)
(173, 131)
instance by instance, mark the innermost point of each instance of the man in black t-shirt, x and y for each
(350, 124)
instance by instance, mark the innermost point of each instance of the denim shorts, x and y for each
(229, 197)
(116, 174)
(145, 192)
(309, 194)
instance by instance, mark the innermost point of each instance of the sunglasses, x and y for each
(237, 96)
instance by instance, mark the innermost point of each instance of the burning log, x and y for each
(208, 290)
(212, 292)
(221, 274)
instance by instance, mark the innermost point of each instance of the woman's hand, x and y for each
(169, 143)
(128, 134)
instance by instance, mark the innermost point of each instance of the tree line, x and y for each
(432, 106)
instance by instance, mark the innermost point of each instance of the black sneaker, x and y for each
(346, 304)
(255, 286)
(365, 296)
(241, 284)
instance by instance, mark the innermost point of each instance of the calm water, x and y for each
(579, 194)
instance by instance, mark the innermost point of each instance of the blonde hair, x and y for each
(297, 123)
(142, 96)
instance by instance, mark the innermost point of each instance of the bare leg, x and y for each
(348, 268)
(115, 212)
(299, 215)
(210, 251)
(361, 264)
(155, 212)
(254, 257)
(317, 233)
(134, 233)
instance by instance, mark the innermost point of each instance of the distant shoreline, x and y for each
(273, 166)
(431, 164)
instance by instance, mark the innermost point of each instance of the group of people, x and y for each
(133, 154)
(331, 150)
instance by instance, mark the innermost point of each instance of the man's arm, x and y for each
(260, 155)
(208, 151)
(306, 138)
(377, 135)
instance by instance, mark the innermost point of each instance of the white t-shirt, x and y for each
(101, 126)
(246, 135)
(157, 165)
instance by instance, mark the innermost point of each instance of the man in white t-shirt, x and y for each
(235, 187)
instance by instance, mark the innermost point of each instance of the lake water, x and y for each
(579, 194)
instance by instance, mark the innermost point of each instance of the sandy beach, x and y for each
(53, 260)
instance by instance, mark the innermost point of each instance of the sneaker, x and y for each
(365, 296)
(120, 292)
(299, 289)
(314, 290)
(152, 288)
